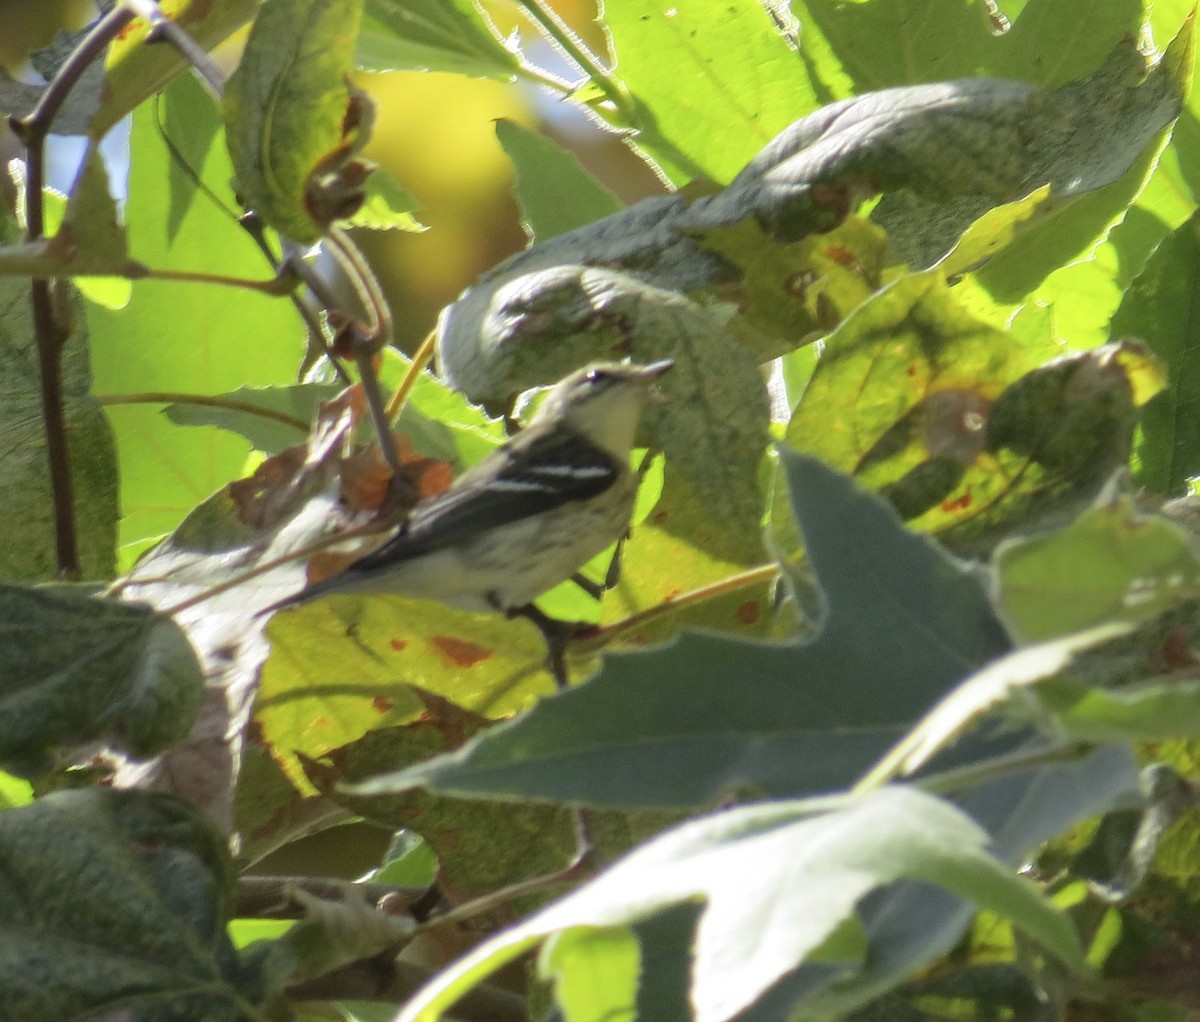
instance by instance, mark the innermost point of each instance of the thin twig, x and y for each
(49, 330)
(269, 897)
(368, 529)
(598, 638)
(421, 358)
(162, 27)
(277, 286)
(252, 224)
(564, 39)
(164, 397)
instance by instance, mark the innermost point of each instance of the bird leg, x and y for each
(556, 634)
(611, 577)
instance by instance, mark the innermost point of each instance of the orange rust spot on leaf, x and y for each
(381, 704)
(911, 370)
(958, 504)
(460, 652)
(398, 644)
(671, 594)
(748, 612)
(843, 257)
(658, 517)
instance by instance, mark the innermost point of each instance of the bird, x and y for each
(529, 514)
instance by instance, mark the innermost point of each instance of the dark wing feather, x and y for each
(541, 472)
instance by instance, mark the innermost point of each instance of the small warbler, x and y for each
(527, 516)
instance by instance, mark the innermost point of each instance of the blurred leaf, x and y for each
(595, 973)
(74, 116)
(386, 206)
(813, 863)
(726, 714)
(555, 192)
(294, 124)
(1120, 854)
(1110, 564)
(14, 791)
(431, 35)
(184, 338)
(711, 84)
(28, 551)
(134, 72)
(1159, 306)
(116, 902)
(1143, 712)
(79, 670)
(329, 934)
(1004, 680)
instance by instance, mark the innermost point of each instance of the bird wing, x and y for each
(539, 473)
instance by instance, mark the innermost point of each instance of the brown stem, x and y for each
(50, 333)
(269, 897)
(597, 638)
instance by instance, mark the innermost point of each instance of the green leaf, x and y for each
(479, 846)
(712, 83)
(812, 863)
(336, 666)
(556, 194)
(1146, 712)
(293, 122)
(595, 973)
(135, 71)
(14, 791)
(28, 552)
(1160, 306)
(1003, 681)
(77, 670)
(90, 239)
(723, 714)
(1111, 564)
(219, 338)
(271, 418)
(901, 399)
(431, 35)
(794, 293)
(386, 206)
(1094, 141)
(889, 42)
(115, 903)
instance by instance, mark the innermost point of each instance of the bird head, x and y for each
(603, 402)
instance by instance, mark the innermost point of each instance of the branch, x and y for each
(596, 639)
(269, 897)
(50, 328)
(162, 397)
